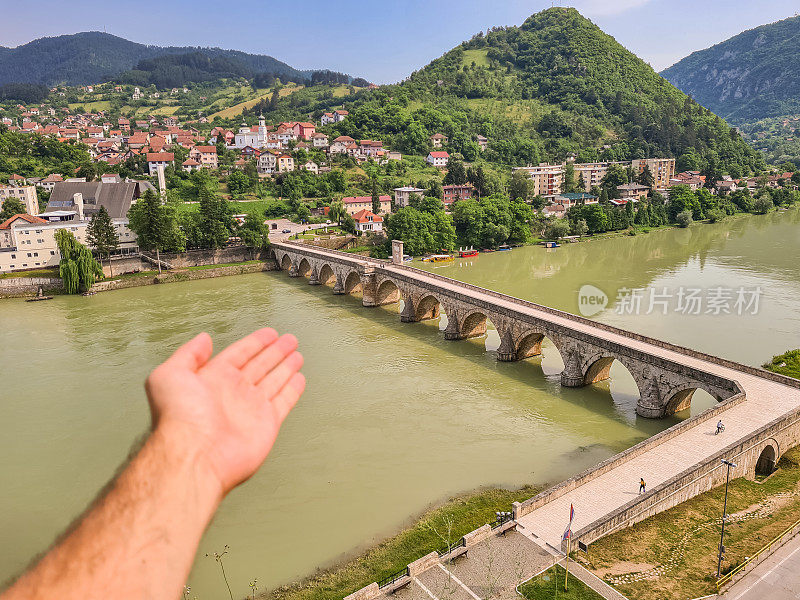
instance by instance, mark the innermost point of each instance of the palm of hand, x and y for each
(231, 406)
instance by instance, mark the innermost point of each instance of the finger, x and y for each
(238, 353)
(273, 381)
(290, 393)
(269, 358)
(193, 354)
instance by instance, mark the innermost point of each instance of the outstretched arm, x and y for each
(214, 422)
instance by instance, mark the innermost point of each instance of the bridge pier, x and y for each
(572, 375)
(369, 288)
(294, 271)
(506, 351)
(338, 287)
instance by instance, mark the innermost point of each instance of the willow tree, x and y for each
(78, 268)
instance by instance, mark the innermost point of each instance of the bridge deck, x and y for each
(766, 401)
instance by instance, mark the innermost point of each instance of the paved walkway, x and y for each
(776, 578)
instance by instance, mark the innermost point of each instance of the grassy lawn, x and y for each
(49, 272)
(550, 584)
(462, 514)
(478, 56)
(218, 265)
(239, 208)
(786, 364)
(689, 534)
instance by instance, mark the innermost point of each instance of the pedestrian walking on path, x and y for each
(642, 486)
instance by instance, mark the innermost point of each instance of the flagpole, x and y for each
(566, 576)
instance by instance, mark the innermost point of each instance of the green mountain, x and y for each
(751, 76)
(94, 57)
(555, 85)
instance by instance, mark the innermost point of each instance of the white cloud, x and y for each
(602, 8)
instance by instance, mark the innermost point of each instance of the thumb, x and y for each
(193, 354)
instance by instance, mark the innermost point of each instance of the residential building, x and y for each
(24, 193)
(206, 156)
(267, 163)
(662, 169)
(569, 200)
(320, 140)
(451, 193)
(340, 144)
(367, 221)
(310, 166)
(548, 180)
(190, 165)
(353, 204)
(402, 195)
(438, 159)
(438, 140)
(482, 142)
(285, 163)
(159, 159)
(633, 191)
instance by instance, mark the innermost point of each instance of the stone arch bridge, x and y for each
(667, 376)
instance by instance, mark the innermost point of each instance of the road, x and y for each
(777, 578)
(277, 235)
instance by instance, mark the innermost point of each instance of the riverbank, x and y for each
(435, 529)
(787, 364)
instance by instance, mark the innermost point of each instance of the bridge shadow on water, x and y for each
(612, 399)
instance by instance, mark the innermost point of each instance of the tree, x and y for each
(78, 269)
(214, 223)
(102, 236)
(579, 227)
(715, 214)
(238, 182)
(646, 177)
(556, 229)
(763, 204)
(520, 186)
(570, 185)
(253, 233)
(11, 207)
(456, 173)
(376, 199)
(684, 218)
(337, 211)
(155, 225)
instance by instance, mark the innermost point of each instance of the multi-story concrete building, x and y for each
(663, 170)
(402, 195)
(24, 193)
(451, 193)
(548, 180)
(354, 204)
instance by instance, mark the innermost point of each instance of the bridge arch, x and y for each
(680, 398)
(473, 324)
(767, 459)
(387, 293)
(304, 268)
(428, 307)
(286, 262)
(326, 275)
(352, 283)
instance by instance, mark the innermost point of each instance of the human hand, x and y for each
(227, 410)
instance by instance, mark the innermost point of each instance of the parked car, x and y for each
(286, 231)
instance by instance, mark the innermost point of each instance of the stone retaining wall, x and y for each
(189, 275)
(18, 287)
(197, 258)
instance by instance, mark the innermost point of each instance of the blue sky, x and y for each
(382, 40)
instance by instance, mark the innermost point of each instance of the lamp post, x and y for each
(729, 464)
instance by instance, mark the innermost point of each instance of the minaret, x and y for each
(262, 130)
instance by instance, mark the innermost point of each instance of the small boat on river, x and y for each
(438, 258)
(504, 248)
(465, 252)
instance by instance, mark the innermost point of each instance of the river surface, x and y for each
(394, 418)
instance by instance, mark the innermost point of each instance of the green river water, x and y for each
(394, 417)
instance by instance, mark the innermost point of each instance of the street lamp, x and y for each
(729, 464)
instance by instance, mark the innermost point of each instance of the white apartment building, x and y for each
(24, 193)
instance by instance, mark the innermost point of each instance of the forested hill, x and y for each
(555, 85)
(95, 57)
(753, 75)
